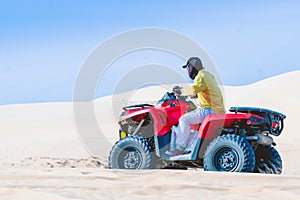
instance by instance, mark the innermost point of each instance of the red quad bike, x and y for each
(239, 141)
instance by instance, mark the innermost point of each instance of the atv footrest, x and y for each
(179, 157)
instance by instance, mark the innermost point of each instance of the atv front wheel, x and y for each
(268, 160)
(130, 153)
(230, 153)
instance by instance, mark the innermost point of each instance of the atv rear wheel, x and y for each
(230, 153)
(130, 153)
(268, 160)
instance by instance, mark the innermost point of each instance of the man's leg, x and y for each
(194, 117)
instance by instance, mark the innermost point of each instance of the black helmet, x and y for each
(193, 65)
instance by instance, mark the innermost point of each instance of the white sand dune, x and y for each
(42, 157)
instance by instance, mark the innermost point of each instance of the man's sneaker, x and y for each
(175, 152)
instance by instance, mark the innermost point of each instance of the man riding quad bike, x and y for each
(236, 142)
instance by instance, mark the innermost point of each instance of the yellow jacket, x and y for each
(208, 93)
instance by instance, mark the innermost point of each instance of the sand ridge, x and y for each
(42, 156)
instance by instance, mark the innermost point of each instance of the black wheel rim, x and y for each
(130, 158)
(226, 159)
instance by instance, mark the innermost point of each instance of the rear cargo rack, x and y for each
(255, 110)
(270, 115)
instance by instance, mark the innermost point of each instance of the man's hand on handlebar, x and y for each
(177, 90)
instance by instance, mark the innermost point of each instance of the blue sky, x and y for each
(44, 43)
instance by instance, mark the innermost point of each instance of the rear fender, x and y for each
(213, 125)
(210, 125)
